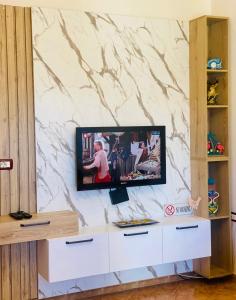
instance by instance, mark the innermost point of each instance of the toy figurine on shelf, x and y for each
(213, 197)
(214, 63)
(194, 203)
(212, 95)
(214, 147)
(219, 149)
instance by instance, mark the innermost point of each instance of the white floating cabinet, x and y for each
(135, 248)
(186, 241)
(73, 257)
(103, 250)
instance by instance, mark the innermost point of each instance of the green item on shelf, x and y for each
(214, 147)
(213, 205)
(213, 197)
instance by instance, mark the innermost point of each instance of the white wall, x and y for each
(227, 8)
(107, 71)
(176, 9)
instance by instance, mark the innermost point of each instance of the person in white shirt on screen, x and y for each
(101, 163)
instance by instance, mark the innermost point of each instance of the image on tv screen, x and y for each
(116, 157)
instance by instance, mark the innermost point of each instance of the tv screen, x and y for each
(109, 157)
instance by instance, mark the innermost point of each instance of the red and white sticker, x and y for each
(169, 210)
(177, 209)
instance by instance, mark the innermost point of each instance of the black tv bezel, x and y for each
(94, 186)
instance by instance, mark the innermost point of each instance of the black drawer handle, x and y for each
(78, 242)
(186, 227)
(35, 224)
(136, 233)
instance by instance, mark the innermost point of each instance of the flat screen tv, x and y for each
(115, 157)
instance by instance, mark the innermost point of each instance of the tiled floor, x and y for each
(223, 289)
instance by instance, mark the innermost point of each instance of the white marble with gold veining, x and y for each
(108, 70)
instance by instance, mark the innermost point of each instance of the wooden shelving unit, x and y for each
(208, 39)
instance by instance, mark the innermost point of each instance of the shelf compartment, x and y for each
(218, 124)
(221, 264)
(218, 40)
(222, 88)
(219, 171)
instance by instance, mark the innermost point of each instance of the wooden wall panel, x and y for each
(18, 264)
(4, 152)
(4, 133)
(31, 113)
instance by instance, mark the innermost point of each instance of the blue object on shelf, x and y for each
(211, 181)
(214, 63)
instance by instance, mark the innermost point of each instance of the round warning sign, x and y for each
(169, 210)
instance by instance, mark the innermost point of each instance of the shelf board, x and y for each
(214, 158)
(217, 106)
(218, 272)
(40, 227)
(217, 71)
(214, 19)
(219, 217)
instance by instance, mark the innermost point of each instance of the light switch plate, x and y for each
(6, 164)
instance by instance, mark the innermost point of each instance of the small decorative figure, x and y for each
(212, 95)
(213, 196)
(214, 63)
(209, 148)
(220, 149)
(214, 147)
(194, 203)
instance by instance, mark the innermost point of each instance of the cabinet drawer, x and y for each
(135, 248)
(40, 226)
(186, 241)
(74, 257)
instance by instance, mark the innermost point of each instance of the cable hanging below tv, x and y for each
(120, 157)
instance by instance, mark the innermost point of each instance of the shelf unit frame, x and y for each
(208, 39)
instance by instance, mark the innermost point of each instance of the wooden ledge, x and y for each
(41, 226)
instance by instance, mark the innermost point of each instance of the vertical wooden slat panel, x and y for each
(4, 152)
(0, 273)
(18, 264)
(14, 149)
(23, 141)
(31, 115)
(33, 271)
(25, 274)
(13, 105)
(6, 273)
(31, 146)
(4, 130)
(15, 271)
(2, 27)
(22, 108)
